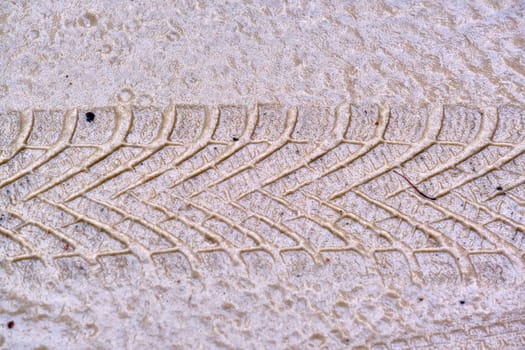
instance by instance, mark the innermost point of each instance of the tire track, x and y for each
(299, 166)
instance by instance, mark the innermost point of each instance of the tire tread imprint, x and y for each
(263, 165)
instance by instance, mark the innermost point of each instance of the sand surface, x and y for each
(262, 175)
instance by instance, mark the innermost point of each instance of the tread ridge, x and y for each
(24, 131)
(61, 144)
(371, 144)
(124, 123)
(165, 131)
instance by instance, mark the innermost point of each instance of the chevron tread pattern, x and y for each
(401, 196)
(415, 195)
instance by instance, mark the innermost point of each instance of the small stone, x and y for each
(90, 116)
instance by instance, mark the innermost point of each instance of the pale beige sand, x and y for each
(265, 176)
(58, 54)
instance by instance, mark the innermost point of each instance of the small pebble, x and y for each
(90, 116)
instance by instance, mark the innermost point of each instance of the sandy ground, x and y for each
(60, 55)
(68, 54)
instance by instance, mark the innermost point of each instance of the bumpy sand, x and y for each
(262, 176)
